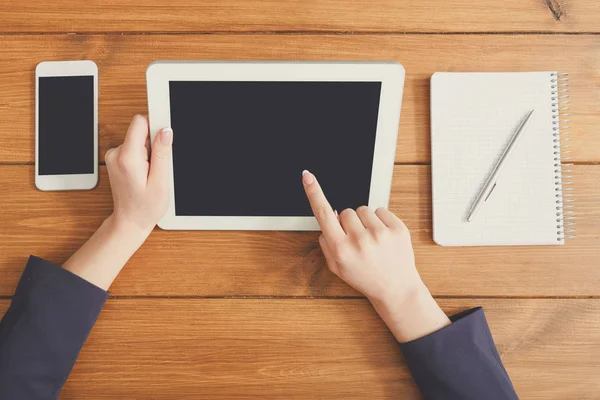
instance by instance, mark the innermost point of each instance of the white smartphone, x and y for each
(66, 125)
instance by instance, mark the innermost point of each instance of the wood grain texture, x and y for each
(174, 263)
(296, 348)
(122, 61)
(299, 15)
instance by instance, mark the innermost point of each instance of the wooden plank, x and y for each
(175, 263)
(304, 349)
(300, 15)
(123, 60)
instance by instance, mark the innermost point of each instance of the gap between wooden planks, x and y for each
(122, 61)
(330, 349)
(195, 263)
(300, 15)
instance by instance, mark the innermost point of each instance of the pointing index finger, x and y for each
(328, 221)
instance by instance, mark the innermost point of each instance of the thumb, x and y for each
(160, 158)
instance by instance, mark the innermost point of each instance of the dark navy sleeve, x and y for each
(41, 334)
(459, 361)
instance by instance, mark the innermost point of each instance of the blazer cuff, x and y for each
(44, 276)
(460, 361)
(41, 334)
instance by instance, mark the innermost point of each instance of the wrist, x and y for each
(127, 231)
(393, 299)
(412, 314)
(400, 303)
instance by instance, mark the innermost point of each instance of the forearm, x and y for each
(102, 257)
(54, 309)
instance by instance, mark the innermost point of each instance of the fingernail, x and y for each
(336, 213)
(307, 177)
(166, 136)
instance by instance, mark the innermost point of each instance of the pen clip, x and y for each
(489, 194)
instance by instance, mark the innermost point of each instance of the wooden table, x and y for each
(240, 315)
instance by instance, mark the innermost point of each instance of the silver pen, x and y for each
(490, 184)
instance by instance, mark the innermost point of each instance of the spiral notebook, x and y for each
(473, 118)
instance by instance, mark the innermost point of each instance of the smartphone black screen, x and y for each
(66, 125)
(240, 147)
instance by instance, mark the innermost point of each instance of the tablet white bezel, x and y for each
(390, 74)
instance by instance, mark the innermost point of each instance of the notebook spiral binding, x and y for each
(565, 214)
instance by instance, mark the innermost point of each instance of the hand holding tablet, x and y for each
(139, 177)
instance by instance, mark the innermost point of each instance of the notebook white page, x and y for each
(473, 117)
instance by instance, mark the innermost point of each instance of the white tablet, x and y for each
(245, 131)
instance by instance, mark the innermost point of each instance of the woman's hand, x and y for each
(372, 252)
(140, 187)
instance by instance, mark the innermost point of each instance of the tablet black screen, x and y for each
(240, 147)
